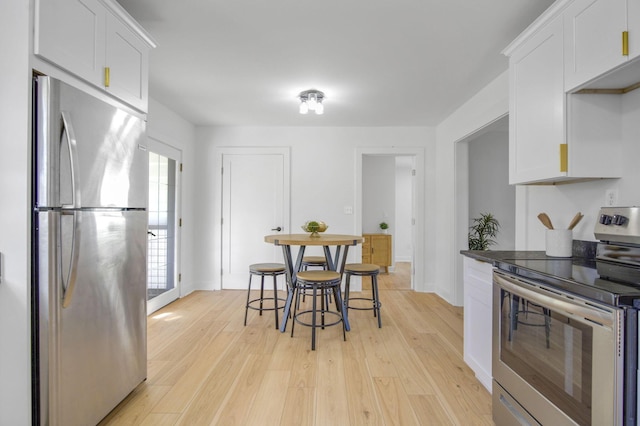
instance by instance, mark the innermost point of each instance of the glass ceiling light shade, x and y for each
(311, 100)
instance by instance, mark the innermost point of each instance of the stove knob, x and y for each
(619, 220)
(605, 219)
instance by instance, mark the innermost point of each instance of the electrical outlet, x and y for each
(611, 198)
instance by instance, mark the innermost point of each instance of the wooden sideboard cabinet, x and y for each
(376, 249)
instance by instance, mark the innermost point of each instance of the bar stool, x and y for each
(264, 270)
(364, 270)
(323, 281)
(314, 262)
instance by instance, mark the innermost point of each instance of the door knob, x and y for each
(277, 229)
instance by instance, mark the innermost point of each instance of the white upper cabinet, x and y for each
(555, 136)
(127, 58)
(97, 41)
(536, 106)
(593, 32)
(633, 26)
(71, 35)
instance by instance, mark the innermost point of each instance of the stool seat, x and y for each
(266, 267)
(314, 260)
(318, 276)
(361, 268)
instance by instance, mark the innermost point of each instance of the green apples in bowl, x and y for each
(314, 227)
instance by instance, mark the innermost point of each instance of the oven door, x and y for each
(558, 356)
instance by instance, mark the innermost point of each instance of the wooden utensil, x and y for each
(546, 221)
(577, 218)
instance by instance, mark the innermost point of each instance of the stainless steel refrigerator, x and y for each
(90, 188)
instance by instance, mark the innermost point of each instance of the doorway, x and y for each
(403, 209)
(388, 198)
(253, 202)
(163, 284)
(482, 186)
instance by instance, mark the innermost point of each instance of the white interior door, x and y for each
(163, 286)
(254, 204)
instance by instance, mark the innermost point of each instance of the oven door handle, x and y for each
(574, 307)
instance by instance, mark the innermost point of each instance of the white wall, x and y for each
(169, 128)
(15, 82)
(485, 107)
(378, 193)
(562, 202)
(323, 158)
(489, 189)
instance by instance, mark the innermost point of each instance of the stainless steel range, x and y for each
(565, 332)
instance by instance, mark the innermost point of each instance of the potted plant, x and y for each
(483, 230)
(384, 226)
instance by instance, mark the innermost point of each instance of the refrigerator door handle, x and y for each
(69, 284)
(67, 127)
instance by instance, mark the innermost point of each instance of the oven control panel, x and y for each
(618, 224)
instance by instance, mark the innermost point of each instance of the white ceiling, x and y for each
(379, 62)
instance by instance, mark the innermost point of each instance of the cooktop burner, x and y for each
(606, 282)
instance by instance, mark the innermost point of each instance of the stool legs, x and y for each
(261, 299)
(275, 299)
(322, 291)
(376, 299)
(246, 308)
(313, 318)
(375, 295)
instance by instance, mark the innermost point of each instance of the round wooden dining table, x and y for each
(335, 260)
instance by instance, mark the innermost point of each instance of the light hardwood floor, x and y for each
(206, 368)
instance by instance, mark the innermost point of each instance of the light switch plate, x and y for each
(348, 210)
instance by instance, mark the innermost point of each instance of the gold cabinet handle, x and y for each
(564, 157)
(625, 43)
(107, 76)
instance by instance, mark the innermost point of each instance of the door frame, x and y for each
(417, 265)
(218, 154)
(461, 201)
(174, 153)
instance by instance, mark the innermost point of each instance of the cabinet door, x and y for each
(127, 57)
(71, 34)
(537, 106)
(593, 39)
(633, 26)
(381, 250)
(478, 319)
(366, 249)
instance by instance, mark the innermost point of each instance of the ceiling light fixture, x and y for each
(311, 100)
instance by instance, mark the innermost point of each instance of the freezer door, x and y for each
(89, 154)
(93, 351)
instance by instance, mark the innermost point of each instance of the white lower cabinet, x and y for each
(478, 318)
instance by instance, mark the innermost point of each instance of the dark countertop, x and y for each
(493, 256)
(581, 274)
(581, 250)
